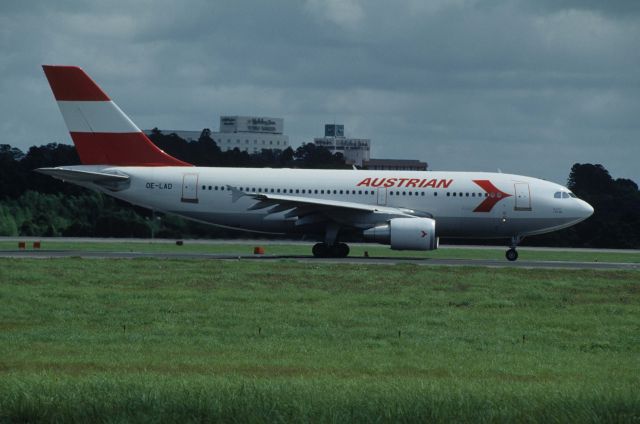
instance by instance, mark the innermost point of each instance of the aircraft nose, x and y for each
(587, 209)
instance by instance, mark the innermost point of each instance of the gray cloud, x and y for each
(527, 86)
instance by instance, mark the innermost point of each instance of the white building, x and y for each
(250, 133)
(356, 151)
(247, 133)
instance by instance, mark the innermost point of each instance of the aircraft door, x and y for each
(523, 197)
(190, 188)
(382, 196)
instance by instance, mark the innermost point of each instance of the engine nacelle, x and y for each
(405, 234)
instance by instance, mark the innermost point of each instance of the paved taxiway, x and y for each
(349, 260)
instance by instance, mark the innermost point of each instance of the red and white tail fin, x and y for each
(101, 132)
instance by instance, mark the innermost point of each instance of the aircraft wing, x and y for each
(313, 210)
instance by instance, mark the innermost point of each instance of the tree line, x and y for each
(32, 204)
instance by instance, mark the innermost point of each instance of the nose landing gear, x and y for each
(512, 254)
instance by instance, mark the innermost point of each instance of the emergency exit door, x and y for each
(190, 188)
(523, 197)
(382, 196)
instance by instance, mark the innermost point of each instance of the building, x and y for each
(395, 165)
(355, 150)
(247, 133)
(251, 133)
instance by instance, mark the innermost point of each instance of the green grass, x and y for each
(374, 250)
(166, 341)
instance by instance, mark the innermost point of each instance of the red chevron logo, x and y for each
(494, 196)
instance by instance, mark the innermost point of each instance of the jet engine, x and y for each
(405, 234)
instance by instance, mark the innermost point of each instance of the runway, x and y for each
(48, 254)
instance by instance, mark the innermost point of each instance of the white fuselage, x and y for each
(463, 204)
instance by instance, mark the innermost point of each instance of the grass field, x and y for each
(241, 341)
(374, 250)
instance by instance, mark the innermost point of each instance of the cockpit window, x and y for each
(563, 195)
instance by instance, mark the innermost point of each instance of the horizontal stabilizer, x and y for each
(112, 182)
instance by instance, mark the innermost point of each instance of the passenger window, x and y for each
(454, 194)
(435, 193)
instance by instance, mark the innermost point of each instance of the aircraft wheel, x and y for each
(320, 250)
(512, 254)
(340, 250)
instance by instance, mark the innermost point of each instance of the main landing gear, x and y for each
(337, 250)
(512, 253)
(330, 248)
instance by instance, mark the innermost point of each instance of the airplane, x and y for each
(408, 210)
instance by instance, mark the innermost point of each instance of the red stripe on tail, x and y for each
(71, 83)
(124, 149)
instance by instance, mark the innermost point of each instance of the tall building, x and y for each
(355, 150)
(247, 133)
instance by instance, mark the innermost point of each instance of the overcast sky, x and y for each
(526, 86)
